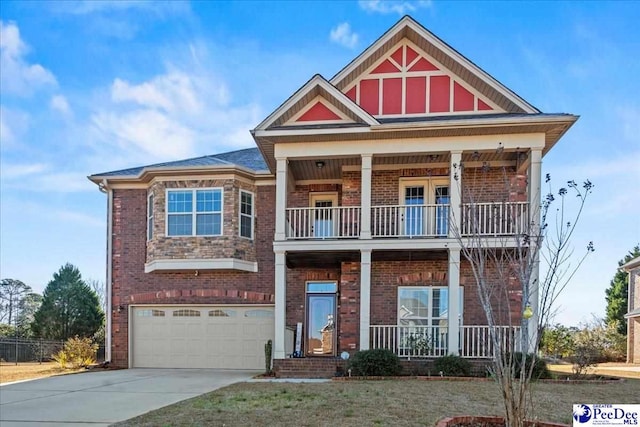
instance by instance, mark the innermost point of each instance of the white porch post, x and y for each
(455, 194)
(280, 306)
(365, 197)
(281, 199)
(535, 182)
(453, 319)
(365, 298)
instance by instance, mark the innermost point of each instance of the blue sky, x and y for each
(91, 86)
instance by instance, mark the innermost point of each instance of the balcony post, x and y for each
(365, 197)
(280, 314)
(453, 319)
(535, 182)
(281, 198)
(365, 298)
(455, 190)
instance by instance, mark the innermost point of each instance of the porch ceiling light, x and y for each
(319, 164)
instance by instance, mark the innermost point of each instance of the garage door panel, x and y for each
(201, 337)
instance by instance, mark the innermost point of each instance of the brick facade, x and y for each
(131, 285)
(633, 324)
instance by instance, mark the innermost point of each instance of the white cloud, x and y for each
(18, 76)
(630, 118)
(13, 124)
(60, 104)
(343, 35)
(393, 6)
(147, 132)
(12, 171)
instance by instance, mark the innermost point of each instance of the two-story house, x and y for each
(633, 314)
(340, 231)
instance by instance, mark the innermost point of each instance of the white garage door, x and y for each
(200, 336)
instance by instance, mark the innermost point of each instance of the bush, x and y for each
(378, 362)
(453, 366)
(540, 369)
(77, 353)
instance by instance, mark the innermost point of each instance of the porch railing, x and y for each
(411, 341)
(323, 223)
(410, 220)
(475, 341)
(432, 341)
(495, 219)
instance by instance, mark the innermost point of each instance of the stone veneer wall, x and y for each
(229, 245)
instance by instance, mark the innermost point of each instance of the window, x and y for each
(423, 317)
(246, 214)
(150, 217)
(202, 218)
(186, 313)
(150, 313)
(222, 313)
(259, 313)
(425, 210)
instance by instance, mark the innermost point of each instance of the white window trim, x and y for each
(429, 184)
(430, 303)
(150, 213)
(193, 212)
(252, 216)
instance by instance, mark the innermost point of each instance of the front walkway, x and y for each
(103, 398)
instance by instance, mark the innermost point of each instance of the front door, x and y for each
(322, 214)
(321, 319)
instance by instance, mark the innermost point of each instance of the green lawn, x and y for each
(372, 403)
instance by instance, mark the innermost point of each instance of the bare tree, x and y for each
(99, 288)
(11, 293)
(505, 249)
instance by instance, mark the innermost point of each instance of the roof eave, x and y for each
(632, 264)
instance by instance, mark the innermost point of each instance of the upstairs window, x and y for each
(194, 212)
(150, 217)
(246, 214)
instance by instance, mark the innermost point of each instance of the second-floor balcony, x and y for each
(408, 221)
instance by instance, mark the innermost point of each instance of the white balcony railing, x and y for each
(410, 220)
(323, 223)
(431, 341)
(410, 341)
(495, 219)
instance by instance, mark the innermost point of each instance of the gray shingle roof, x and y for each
(249, 158)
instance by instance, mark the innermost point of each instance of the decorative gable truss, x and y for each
(319, 111)
(410, 82)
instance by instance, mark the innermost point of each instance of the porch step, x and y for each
(308, 367)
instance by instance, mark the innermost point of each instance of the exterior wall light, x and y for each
(319, 164)
(528, 312)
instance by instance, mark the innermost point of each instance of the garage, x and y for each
(223, 337)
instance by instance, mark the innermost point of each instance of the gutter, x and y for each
(103, 186)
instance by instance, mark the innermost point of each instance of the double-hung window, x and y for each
(150, 217)
(194, 212)
(246, 214)
(423, 319)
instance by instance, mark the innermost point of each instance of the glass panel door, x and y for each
(442, 212)
(321, 330)
(322, 215)
(414, 215)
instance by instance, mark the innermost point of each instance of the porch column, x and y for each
(365, 298)
(453, 319)
(365, 197)
(281, 198)
(535, 182)
(455, 194)
(280, 306)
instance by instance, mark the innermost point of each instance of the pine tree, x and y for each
(618, 294)
(69, 307)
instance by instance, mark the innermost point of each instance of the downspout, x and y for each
(105, 189)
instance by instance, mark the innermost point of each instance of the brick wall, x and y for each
(299, 197)
(633, 325)
(130, 284)
(497, 184)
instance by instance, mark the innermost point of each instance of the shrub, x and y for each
(453, 366)
(77, 353)
(378, 362)
(540, 369)
(268, 353)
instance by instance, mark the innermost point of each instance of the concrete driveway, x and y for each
(102, 398)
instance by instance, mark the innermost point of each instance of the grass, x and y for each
(372, 403)
(606, 369)
(10, 372)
